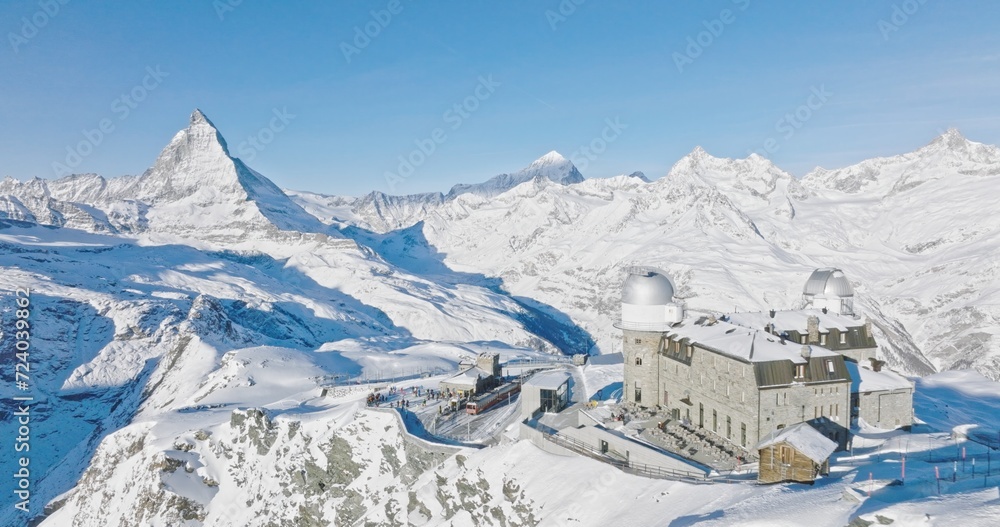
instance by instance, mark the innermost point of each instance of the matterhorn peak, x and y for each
(199, 117)
(195, 172)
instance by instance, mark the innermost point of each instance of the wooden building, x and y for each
(795, 453)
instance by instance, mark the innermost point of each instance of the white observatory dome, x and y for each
(648, 300)
(828, 288)
(646, 286)
(828, 281)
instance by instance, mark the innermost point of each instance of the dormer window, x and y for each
(843, 337)
(800, 371)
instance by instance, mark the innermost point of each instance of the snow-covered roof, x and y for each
(550, 380)
(647, 286)
(804, 438)
(828, 281)
(797, 320)
(864, 379)
(748, 344)
(467, 377)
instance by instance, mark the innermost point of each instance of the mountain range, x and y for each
(187, 317)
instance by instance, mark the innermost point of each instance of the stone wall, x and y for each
(784, 406)
(640, 350)
(886, 409)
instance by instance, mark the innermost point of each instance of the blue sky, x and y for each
(859, 79)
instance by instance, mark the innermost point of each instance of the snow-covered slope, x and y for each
(910, 230)
(186, 320)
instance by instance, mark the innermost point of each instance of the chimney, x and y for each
(824, 310)
(806, 352)
(812, 325)
(771, 312)
(877, 364)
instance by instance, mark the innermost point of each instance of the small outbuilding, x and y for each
(797, 453)
(547, 391)
(469, 381)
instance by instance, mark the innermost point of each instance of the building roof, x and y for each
(647, 286)
(865, 379)
(743, 343)
(803, 438)
(794, 320)
(828, 281)
(468, 377)
(550, 380)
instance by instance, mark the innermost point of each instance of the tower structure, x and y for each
(648, 310)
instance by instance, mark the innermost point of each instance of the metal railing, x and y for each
(656, 327)
(641, 469)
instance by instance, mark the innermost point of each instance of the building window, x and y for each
(802, 339)
(822, 339)
(786, 455)
(638, 392)
(688, 349)
(843, 338)
(715, 421)
(638, 341)
(800, 371)
(830, 368)
(638, 361)
(743, 435)
(729, 428)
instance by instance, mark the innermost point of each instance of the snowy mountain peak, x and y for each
(195, 159)
(900, 173)
(196, 173)
(638, 174)
(552, 166)
(956, 145)
(549, 159)
(199, 117)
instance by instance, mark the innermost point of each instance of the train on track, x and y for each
(481, 403)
